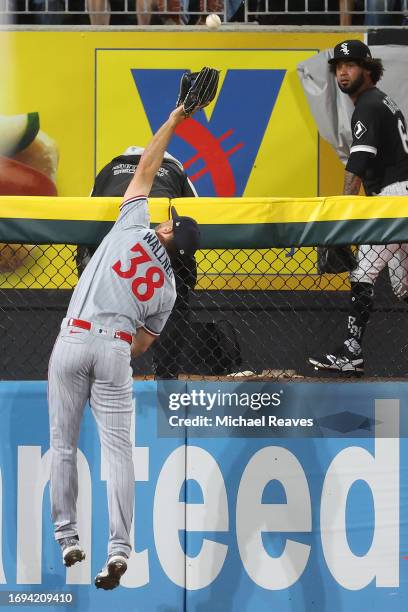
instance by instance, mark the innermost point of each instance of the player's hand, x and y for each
(197, 90)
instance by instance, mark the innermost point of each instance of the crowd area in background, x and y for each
(193, 12)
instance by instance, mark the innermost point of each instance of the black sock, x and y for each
(362, 295)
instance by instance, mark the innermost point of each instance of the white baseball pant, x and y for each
(372, 258)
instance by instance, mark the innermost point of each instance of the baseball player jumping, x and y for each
(378, 159)
(118, 308)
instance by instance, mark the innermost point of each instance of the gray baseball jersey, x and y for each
(129, 282)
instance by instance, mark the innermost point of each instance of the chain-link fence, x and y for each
(251, 313)
(193, 12)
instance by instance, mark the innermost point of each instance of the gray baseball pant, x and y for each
(87, 366)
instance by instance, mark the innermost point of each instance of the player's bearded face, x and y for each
(350, 77)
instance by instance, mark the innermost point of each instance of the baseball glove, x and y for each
(335, 259)
(197, 89)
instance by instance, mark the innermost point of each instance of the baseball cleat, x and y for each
(109, 576)
(71, 550)
(341, 360)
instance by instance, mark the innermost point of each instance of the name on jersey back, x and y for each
(159, 251)
(391, 105)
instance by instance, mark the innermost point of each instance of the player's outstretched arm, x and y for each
(153, 155)
(197, 90)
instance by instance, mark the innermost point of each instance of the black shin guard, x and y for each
(362, 295)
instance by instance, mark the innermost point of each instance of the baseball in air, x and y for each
(213, 21)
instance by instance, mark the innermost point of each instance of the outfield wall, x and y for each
(240, 512)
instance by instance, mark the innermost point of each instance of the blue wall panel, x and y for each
(242, 515)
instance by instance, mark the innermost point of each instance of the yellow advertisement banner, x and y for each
(258, 128)
(71, 101)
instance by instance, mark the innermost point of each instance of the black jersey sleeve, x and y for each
(365, 125)
(358, 163)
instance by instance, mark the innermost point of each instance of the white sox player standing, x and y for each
(118, 308)
(378, 160)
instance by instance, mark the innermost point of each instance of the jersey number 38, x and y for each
(143, 287)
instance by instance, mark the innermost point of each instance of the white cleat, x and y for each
(343, 361)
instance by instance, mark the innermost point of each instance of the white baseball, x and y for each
(213, 21)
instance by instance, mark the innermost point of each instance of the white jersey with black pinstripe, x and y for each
(129, 281)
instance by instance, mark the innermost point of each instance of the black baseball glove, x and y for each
(197, 89)
(335, 259)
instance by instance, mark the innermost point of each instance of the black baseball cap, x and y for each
(350, 50)
(186, 233)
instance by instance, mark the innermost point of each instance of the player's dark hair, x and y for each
(373, 65)
(375, 68)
